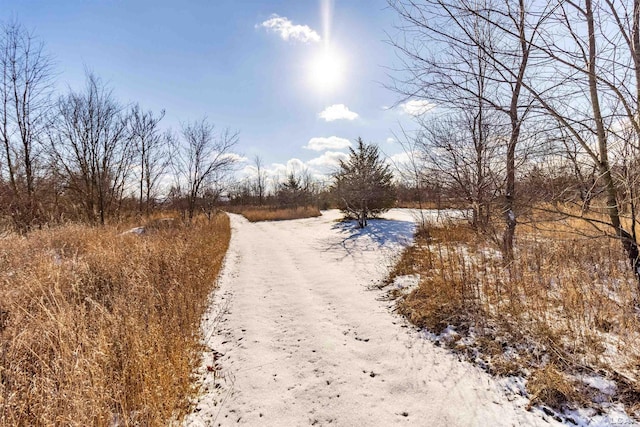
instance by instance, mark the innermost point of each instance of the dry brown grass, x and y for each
(255, 213)
(101, 328)
(567, 301)
(548, 386)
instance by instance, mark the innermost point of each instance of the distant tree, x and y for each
(202, 160)
(296, 190)
(363, 186)
(261, 179)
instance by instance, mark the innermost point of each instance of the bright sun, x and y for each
(326, 70)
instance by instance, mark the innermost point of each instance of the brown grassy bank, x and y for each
(266, 213)
(561, 314)
(100, 328)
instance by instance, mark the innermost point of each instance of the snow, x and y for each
(604, 385)
(405, 284)
(298, 334)
(615, 416)
(136, 230)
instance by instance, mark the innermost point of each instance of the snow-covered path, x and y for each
(306, 341)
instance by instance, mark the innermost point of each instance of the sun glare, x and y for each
(326, 70)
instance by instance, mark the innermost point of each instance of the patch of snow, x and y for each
(135, 230)
(406, 284)
(615, 416)
(602, 384)
(449, 333)
(515, 389)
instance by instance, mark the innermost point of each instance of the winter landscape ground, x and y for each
(299, 334)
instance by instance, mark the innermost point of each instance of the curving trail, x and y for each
(302, 338)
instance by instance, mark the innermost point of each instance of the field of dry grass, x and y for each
(102, 328)
(563, 312)
(266, 213)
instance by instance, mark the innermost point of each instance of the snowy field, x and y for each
(297, 335)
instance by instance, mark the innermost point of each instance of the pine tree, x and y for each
(363, 185)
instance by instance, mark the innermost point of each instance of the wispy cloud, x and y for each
(330, 143)
(417, 107)
(337, 112)
(287, 30)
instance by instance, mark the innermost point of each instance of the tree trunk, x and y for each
(628, 242)
(362, 218)
(509, 212)
(516, 123)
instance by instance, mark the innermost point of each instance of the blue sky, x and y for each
(236, 62)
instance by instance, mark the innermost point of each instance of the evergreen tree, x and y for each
(363, 186)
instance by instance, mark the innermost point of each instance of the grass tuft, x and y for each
(550, 386)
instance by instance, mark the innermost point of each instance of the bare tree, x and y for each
(92, 146)
(261, 179)
(25, 89)
(462, 53)
(462, 150)
(152, 153)
(412, 173)
(202, 159)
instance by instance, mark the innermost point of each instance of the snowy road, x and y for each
(306, 341)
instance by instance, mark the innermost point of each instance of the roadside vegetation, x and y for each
(275, 213)
(98, 327)
(563, 315)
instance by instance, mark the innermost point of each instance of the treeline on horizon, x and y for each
(83, 155)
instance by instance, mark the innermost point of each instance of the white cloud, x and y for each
(399, 160)
(417, 107)
(319, 168)
(337, 112)
(328, 161)
(280, 170)
(288, 31)
(295, 165)
(249, 170)
(390, 140)
(330, 143)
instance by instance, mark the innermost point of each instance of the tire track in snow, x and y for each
(305, 342)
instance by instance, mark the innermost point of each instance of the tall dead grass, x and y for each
(266, 213)
(566, 305)
(101, 328)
